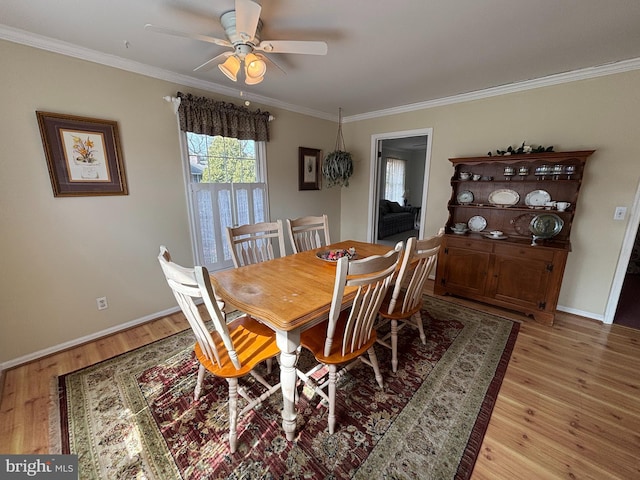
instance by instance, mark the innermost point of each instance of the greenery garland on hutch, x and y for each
(529, 201)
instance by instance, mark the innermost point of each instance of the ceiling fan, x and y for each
(242, 27)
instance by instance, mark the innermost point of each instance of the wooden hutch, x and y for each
(514, 270)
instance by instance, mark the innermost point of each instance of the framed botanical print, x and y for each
(83, 155)
(308, 168)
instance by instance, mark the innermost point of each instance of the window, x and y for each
(227, 186)
(394, 180)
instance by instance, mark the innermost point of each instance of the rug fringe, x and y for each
(55, 434)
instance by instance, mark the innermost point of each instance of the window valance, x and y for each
(211, 117)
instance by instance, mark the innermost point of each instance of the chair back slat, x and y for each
(307, 232)
(372, 276)
(189, 285)
(253, 243)
(417, 263)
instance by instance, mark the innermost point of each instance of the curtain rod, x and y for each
(176, 103)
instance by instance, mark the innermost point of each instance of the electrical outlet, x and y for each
(102, 303)
(620, 213)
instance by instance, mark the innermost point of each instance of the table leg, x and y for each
(288, 343)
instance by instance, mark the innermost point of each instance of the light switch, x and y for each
(620, 213)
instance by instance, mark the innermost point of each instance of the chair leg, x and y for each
(269, 362)
(233, 413)
(394, 345)
(332, 399)
(196, 394)
(418, 322)
(376, 368)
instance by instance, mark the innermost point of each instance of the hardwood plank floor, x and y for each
(569, 406)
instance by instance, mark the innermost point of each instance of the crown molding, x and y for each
(64, 48)
(557, 79)
(45, 43)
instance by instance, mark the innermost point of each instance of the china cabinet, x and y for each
(528, 201)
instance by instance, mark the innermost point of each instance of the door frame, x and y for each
(374, 175)
(623, 259)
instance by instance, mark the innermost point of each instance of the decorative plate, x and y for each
(335, 255)
(537, 198)
(546, 225)
(521, 224)
(477, 223)
(465, 197)
(504, 197)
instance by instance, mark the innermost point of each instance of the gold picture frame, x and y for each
(308, 168)
(83, 155)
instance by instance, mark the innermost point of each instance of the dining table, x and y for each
(289, 294)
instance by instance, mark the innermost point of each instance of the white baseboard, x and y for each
(88, 338)
(581, 313)
(109, 331)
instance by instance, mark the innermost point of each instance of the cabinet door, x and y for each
(464, 271)
(520, 281)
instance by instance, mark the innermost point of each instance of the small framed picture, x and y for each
(308, 168)
(83, 155)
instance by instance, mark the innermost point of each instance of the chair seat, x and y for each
(254, 343)
(314, 338)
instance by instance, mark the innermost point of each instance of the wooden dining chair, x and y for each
(404, 301)
(230, 350)
(308, 232)
(348, 334)
(253, 243)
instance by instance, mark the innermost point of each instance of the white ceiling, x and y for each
(383, 54)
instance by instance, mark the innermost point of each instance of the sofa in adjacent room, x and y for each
(394, 218)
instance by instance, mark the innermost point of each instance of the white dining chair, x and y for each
(404, 302)
(348, 334)
(231, 350)
(254, 243)
(308, 232)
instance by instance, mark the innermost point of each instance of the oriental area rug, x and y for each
(133, 416)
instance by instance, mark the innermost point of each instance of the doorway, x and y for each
(412, 150)
(628, 309)
(624, 259)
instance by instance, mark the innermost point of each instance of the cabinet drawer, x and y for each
(533, 253)
(465, 242)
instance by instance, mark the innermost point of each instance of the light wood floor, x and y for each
(569, 406)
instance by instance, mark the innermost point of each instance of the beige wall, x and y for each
(60, 254)
(601, 114)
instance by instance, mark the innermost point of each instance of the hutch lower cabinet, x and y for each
(522, 267)
(520, 277)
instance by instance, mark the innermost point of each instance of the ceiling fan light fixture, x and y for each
(230, 67)
(252, 81)
(255, 67)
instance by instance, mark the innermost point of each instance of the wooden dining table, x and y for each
(289, 294)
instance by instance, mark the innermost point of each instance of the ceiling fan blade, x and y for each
(293, 46)
(208, 65)
(177, 33)
(247, 17)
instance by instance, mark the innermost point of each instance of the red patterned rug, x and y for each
(134, 417)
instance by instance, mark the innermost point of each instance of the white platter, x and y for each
(504, 197)
(537, 198)
(477, 223)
